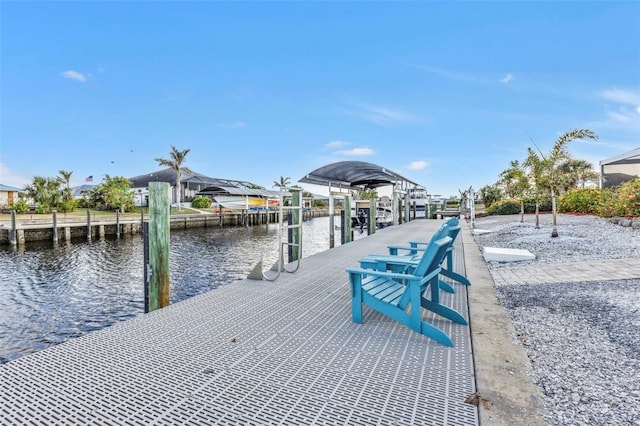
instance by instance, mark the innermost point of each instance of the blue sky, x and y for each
(444, 93)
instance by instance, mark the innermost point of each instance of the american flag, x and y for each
(89, 179)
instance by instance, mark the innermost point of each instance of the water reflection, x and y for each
(51, 293)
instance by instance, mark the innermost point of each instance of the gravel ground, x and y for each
(580, 238)
(583, 339)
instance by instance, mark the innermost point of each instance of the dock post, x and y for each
(159, 279)
(55, 226)
(117, 223)
(331, 221)
(88, 225)
(346, 234)
(14, 236)
(372, 216)
(296, 216)
(67, 234)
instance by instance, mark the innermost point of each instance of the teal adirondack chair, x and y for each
(418, 246)
(401, 296)
(396, 262)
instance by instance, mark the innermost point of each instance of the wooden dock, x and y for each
(257, 353)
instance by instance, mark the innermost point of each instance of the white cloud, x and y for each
(356, 152)
(507, 78)
(74, 75)
(418, 165)
(626, 114)
(628, 97)
(336, 144)
(11, 178)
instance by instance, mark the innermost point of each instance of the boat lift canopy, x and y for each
(354, 175)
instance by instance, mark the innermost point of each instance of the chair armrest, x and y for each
(382, 274)
(407, 248)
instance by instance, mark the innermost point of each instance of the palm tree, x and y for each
(283, 184)
(552, 165)
(536, 174)
(516, 184)
(65, 178)
(45, 192)
(175, 163)
(576, 171)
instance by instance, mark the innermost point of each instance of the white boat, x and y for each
(418, 195)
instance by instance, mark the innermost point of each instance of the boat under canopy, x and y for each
(242, 198)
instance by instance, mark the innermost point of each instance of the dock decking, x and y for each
(257, 353)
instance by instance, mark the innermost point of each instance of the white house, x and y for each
(8, 194)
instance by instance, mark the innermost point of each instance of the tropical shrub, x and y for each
(629, 198)
(587, 201)
(201, 203)
(489, 194)
(21, 206)
(544, 204)
(502, 207)
(43, 208)
(67, 206)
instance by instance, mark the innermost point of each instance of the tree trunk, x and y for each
(554, 232)
(178, 188)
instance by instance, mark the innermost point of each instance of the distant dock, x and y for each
(43, 229)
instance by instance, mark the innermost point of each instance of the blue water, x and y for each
(52, 293)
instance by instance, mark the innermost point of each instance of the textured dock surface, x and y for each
(257, 353)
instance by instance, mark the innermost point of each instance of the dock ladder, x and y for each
(293, 242)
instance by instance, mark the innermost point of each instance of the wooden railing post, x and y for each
(159, 279)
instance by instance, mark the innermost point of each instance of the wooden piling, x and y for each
(296, 216)
(117, 223)
(159, 281)
(347, 235)
(55, 226)
(88, 225)
(372, 216)
(14, 236)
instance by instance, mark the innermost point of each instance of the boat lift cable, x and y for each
(293, 244)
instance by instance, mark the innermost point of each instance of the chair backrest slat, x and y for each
(433, 256)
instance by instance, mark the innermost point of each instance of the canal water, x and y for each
(52, 293)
